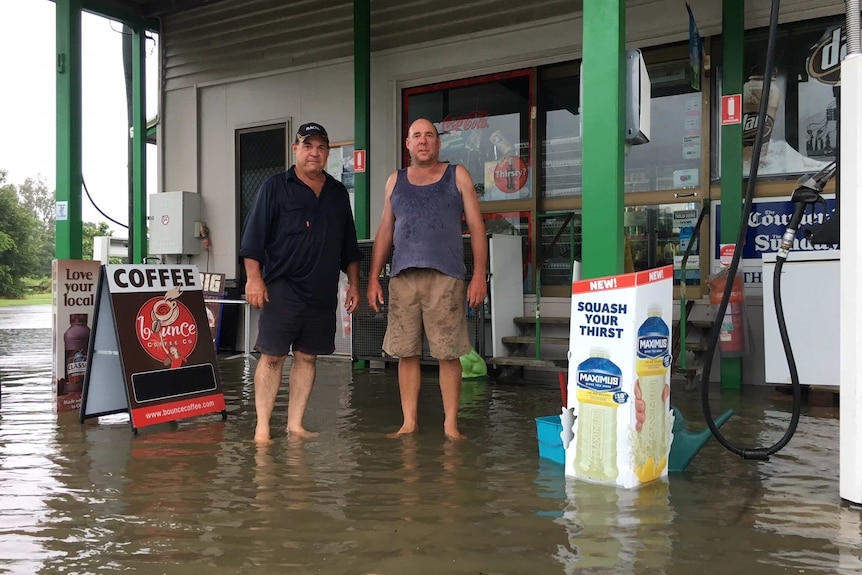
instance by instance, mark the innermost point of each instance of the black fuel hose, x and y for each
(760, 453)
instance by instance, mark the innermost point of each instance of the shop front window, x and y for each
(560, 131)
(800, 135)
(658, 235)
(669, 161)
(560, 247)
(484, 125)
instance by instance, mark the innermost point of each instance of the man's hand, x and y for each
(255, 292)
(351, 300)
(374, 295)
(476, 291)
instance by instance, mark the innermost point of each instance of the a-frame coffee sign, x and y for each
(150, 350)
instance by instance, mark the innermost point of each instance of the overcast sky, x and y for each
(28, 104)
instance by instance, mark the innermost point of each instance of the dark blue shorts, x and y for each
(287, 322)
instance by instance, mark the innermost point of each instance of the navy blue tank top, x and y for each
(428, 225)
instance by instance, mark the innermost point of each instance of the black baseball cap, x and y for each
(311, 129)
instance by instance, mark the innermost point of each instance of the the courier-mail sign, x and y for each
(767, 222)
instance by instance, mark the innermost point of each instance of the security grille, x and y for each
(261, 153)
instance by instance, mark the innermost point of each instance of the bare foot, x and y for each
(454, 434)
(405, 430)
(261, 436)
(302, 433)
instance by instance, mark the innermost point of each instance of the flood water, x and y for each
(199, 497)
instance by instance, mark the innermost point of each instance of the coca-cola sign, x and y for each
(510, 174)
(166, 329)
(475, 120)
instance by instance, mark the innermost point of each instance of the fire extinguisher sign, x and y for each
(731, 109)
(358, 161)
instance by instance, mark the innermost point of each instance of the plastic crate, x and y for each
(548, 430)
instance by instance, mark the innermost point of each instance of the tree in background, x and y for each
(35, 196)
(21, 237)
(27, 236)
(89, 230)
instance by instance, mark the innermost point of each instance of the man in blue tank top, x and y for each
(427, 289)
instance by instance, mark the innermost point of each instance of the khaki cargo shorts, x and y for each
(425, 297)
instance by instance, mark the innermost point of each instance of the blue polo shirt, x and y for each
(302, 237)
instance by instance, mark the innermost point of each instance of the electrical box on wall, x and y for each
(638, 94)
(174, 220)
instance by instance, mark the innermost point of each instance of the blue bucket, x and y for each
(548, 429)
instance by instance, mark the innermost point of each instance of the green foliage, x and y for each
(21, 237)
(89, 230)
(27, 236)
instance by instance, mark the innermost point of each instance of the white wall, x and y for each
(323, 94)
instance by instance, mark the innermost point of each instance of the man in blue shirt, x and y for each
(298, 236)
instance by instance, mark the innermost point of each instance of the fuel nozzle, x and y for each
(806, 193)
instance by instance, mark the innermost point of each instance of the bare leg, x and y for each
(267, 378)
(450, 389)
(409, 381)
(302, 372)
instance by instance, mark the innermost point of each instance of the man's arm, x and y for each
(478, 288)
(382, 246)
(351, 301)
(253, 248)
(255, 290)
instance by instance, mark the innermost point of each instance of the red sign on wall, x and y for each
(731, 109)
(358, 161)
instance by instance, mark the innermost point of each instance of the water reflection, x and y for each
(199, 496)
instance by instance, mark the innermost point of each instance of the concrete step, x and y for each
(527, 340)
(531, 362)
(699, 323)
(695, 346)
(688, 370)
(546, 320)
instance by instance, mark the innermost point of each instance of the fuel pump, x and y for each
(806, 194)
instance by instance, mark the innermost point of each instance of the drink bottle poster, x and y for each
(619, 378)
(73, 285)
(151, 347)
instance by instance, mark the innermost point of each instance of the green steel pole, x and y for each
(138, 223)
(604, 124)
(732, 77)
(362, 113)
(68, 193)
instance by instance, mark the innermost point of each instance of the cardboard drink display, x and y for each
(73, 284)
(620, 353)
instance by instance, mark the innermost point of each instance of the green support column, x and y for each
(362, 113)
(603, 136)
(138, 223)
(732, 77)
(68, 194)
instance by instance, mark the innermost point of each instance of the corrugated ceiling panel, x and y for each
(237, 38)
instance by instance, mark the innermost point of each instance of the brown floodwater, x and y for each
(200, 497)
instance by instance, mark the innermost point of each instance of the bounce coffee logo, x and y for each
(824, 63)
(166, 329)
